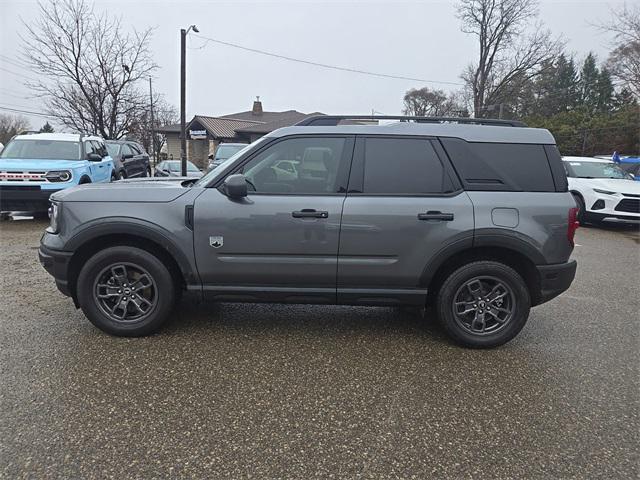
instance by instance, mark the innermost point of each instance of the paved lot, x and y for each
(255, 391)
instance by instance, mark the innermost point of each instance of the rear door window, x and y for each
(500, 166)
(403, 166)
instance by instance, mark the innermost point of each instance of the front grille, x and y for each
(631, 205)
(22, 177)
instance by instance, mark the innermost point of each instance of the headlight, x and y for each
(58, 176)
(54, 215)
(606, 192)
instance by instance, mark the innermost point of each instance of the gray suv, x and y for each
(470, 216)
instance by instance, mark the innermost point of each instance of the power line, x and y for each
(318, 64)
(18, 74)
(14, 62)
(26, 112)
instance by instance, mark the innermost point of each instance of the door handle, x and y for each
(436, 215)
(309, 213)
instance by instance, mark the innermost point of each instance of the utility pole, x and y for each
(153, 136)
(183, 103)
(183, 97)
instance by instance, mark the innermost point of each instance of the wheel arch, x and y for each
(110, 233)
(450, 259)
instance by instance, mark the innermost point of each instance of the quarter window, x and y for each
(403, 166)
(297, 166)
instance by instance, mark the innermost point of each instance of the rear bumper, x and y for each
(27, 198)
(56, 263)
(555, 279)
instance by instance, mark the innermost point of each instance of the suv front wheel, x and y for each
(126, 291)
(483, 304)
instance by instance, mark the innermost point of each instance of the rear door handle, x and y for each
(436, 215)
(309, 213)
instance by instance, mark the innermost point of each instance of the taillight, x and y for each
(573, 224)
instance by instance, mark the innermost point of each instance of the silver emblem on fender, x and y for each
(216, 242)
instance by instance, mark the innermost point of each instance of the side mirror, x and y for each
(127, 156)
(235, 186)
(94, 157)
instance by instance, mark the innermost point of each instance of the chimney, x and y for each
(257, 107)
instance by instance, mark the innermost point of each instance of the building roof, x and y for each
(229, 126)
(220, 127)
(291, 118)
(263, 117)
(470, 133)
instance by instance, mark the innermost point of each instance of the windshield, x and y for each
(175, 166)
(113, 149)
(213, 173)
(41, 150)
(225, 151)
(594, 170)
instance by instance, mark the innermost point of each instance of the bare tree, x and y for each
(425, 102)
(508, 55)
(163, 114)
(11, 125)
(89, 67)
(624, 60)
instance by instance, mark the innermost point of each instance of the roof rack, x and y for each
(333, 120)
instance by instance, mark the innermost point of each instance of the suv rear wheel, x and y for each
(483, 304)
(126, 291)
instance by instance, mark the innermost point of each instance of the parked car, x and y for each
(474, 218)
(224, 151)
(173, 168)
(34, 166)
(130, 159)
(631, 165)
(602, 190)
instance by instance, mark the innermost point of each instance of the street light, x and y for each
(183, 99)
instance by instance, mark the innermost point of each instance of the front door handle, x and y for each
(436, 215)
(309, 213)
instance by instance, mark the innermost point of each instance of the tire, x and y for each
(114, 177)
(105, 269)
(41, 215)
(484, 330)
(122, 175)
(148, 171)
(581, 208)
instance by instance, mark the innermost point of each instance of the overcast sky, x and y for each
(418, 39)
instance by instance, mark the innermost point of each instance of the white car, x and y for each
(603, 190)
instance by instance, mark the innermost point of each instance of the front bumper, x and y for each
(599, 207)
(24, 198)
(555, 279)
(56, 263)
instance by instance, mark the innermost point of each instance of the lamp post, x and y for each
(183, 98)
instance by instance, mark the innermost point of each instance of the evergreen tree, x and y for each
(566, 88)
(589, 76)
(605, 92)
(46, 128)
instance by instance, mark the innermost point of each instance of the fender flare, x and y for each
(143, 229)
(483, 238)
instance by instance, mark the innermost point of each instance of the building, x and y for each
(205, 133)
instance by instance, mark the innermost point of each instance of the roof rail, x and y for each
(333, 120)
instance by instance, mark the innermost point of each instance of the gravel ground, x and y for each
(277, 391)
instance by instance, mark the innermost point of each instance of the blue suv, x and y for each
(34, 166)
